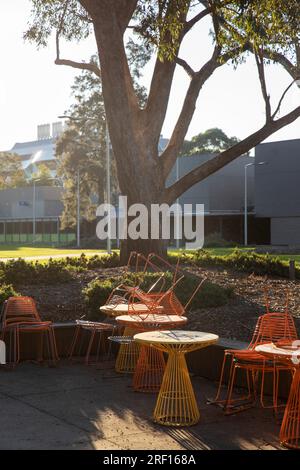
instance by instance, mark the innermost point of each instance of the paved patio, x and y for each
(78, 407)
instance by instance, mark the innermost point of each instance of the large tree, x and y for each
(268, 29)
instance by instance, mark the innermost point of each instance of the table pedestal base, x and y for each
(290, 428)
(128, 354)
(149, 370)
(176, 404)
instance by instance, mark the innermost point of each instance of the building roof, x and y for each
(35, 152)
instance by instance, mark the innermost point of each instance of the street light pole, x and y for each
(177, 222)
(108, 189)
(246, 206)
(33, 211)
(78, 208)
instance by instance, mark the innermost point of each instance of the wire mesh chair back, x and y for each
(155, 301)
(274, 326)
(141, 264)
(137, 262)
(20, 310)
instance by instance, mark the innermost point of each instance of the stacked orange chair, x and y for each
(20, 316)
(271, 327)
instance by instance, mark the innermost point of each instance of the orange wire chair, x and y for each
(271, 327)
(20, 316)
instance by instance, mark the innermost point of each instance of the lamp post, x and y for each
(177, 222)
(246, 201)
(108, 242)
(78, 208)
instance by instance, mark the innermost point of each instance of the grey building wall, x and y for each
(277, 184)
(17, 203)
(221, 192)
(285, 231)
(277, 189)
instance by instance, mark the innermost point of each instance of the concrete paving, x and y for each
(79, 407)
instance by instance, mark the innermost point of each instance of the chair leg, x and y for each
(88, 352)
(244, 402)
(217, 400)
(40, 340)
(74, 342)
(53, 358)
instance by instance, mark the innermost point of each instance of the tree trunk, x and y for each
(145, 247)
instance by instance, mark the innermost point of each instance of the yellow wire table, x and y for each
(288, 354)
(129, 351)
(176, 403)
(150, 366)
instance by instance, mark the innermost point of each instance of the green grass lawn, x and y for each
(16, 251)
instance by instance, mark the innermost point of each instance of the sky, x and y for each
(33, 90)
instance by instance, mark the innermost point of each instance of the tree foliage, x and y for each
(210, 141)
(43, 176)
(11, 171)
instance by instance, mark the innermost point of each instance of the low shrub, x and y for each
(246, 261)
(53, 271)
(215, 240)
(6, 291)
(210, 295)
(22, 272)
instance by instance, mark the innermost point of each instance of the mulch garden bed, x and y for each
(235, 320)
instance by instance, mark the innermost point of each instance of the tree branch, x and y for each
(281, 99)
(191, 73)
(218, 162)
(280, 59)
(263, 85)
(267, 54)
(79, 65)
(189, 24)
(71, 63)
(168, 157)
(160, 88)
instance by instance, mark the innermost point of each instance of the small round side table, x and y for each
(176, 403)
(150, 366)
(128, 352)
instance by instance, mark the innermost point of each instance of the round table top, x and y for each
(284, 352)
(123, 309)
(176, 337)
(152, 318)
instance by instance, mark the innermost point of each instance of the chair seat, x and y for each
(29, 325)
(122, 339)
(90, 325)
